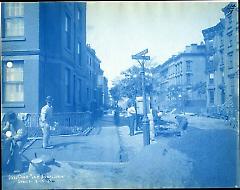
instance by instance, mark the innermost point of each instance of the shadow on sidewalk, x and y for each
(64, 145)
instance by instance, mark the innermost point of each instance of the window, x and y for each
(210, 58)
(68, 31)
(78, 14)
(90, 61)
(232, 86)
(67, 85)
(13, 19)
(210, 43)
(230, 19)
(222, 97)
(188, 79)
(230, 60)
(13, 85)
(79, 53)
(222, 77)
(211, 96)
(188, 65)
(230, 42)
(211, 78)
(211, 75)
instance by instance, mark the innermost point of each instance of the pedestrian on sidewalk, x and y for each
(131, 114)
(116, 115)
(14, 135)
(45, 121)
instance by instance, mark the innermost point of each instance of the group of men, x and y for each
(14, 136)
(154, 120)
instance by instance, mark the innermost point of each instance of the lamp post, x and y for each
(145, 120)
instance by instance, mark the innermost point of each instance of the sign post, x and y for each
(145, 122)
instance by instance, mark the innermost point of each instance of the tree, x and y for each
(115, 93)
(131, 84)
(200, 88)
(177, 94)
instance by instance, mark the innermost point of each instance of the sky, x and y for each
(117, 30)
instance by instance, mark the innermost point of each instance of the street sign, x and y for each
(141, 57)
(142, 52)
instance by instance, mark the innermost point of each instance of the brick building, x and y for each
(44, 53)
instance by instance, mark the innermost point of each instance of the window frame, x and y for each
(17, 82)
(67, 29)
(211, 96)
(188, 66)
(79, 50)
(11, 18)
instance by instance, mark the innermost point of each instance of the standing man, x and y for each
(46, 121)
(131, 112)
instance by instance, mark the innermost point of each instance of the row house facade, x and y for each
(214, 40)
(105, 93)
(222, 66)
(44, 53)
(96, 83)
(231, 58)
(184, 70)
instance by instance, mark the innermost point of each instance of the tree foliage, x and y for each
(131, 84)
(200, 88)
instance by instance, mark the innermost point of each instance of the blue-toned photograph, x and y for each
(98, 94)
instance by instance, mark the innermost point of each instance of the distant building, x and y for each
(94, 73)
(177, 78)
(222, 66)
(214, 40)
(231, 58)
(105, 93)
(44, 53)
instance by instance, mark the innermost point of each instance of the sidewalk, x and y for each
(83, 161)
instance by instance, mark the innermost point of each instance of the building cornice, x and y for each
(20, 52)
(92, 52)
(209, 33)
(229, 8)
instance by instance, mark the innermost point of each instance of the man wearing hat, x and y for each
(45, 121)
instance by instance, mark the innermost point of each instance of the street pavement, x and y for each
(91, 148)
(208, 149)
(206, 155)
(214, 148)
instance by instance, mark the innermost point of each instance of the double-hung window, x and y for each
(13, 84)
(13, 19)
(79, 53)
(68, 31)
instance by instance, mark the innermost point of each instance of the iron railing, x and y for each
(62, 123)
